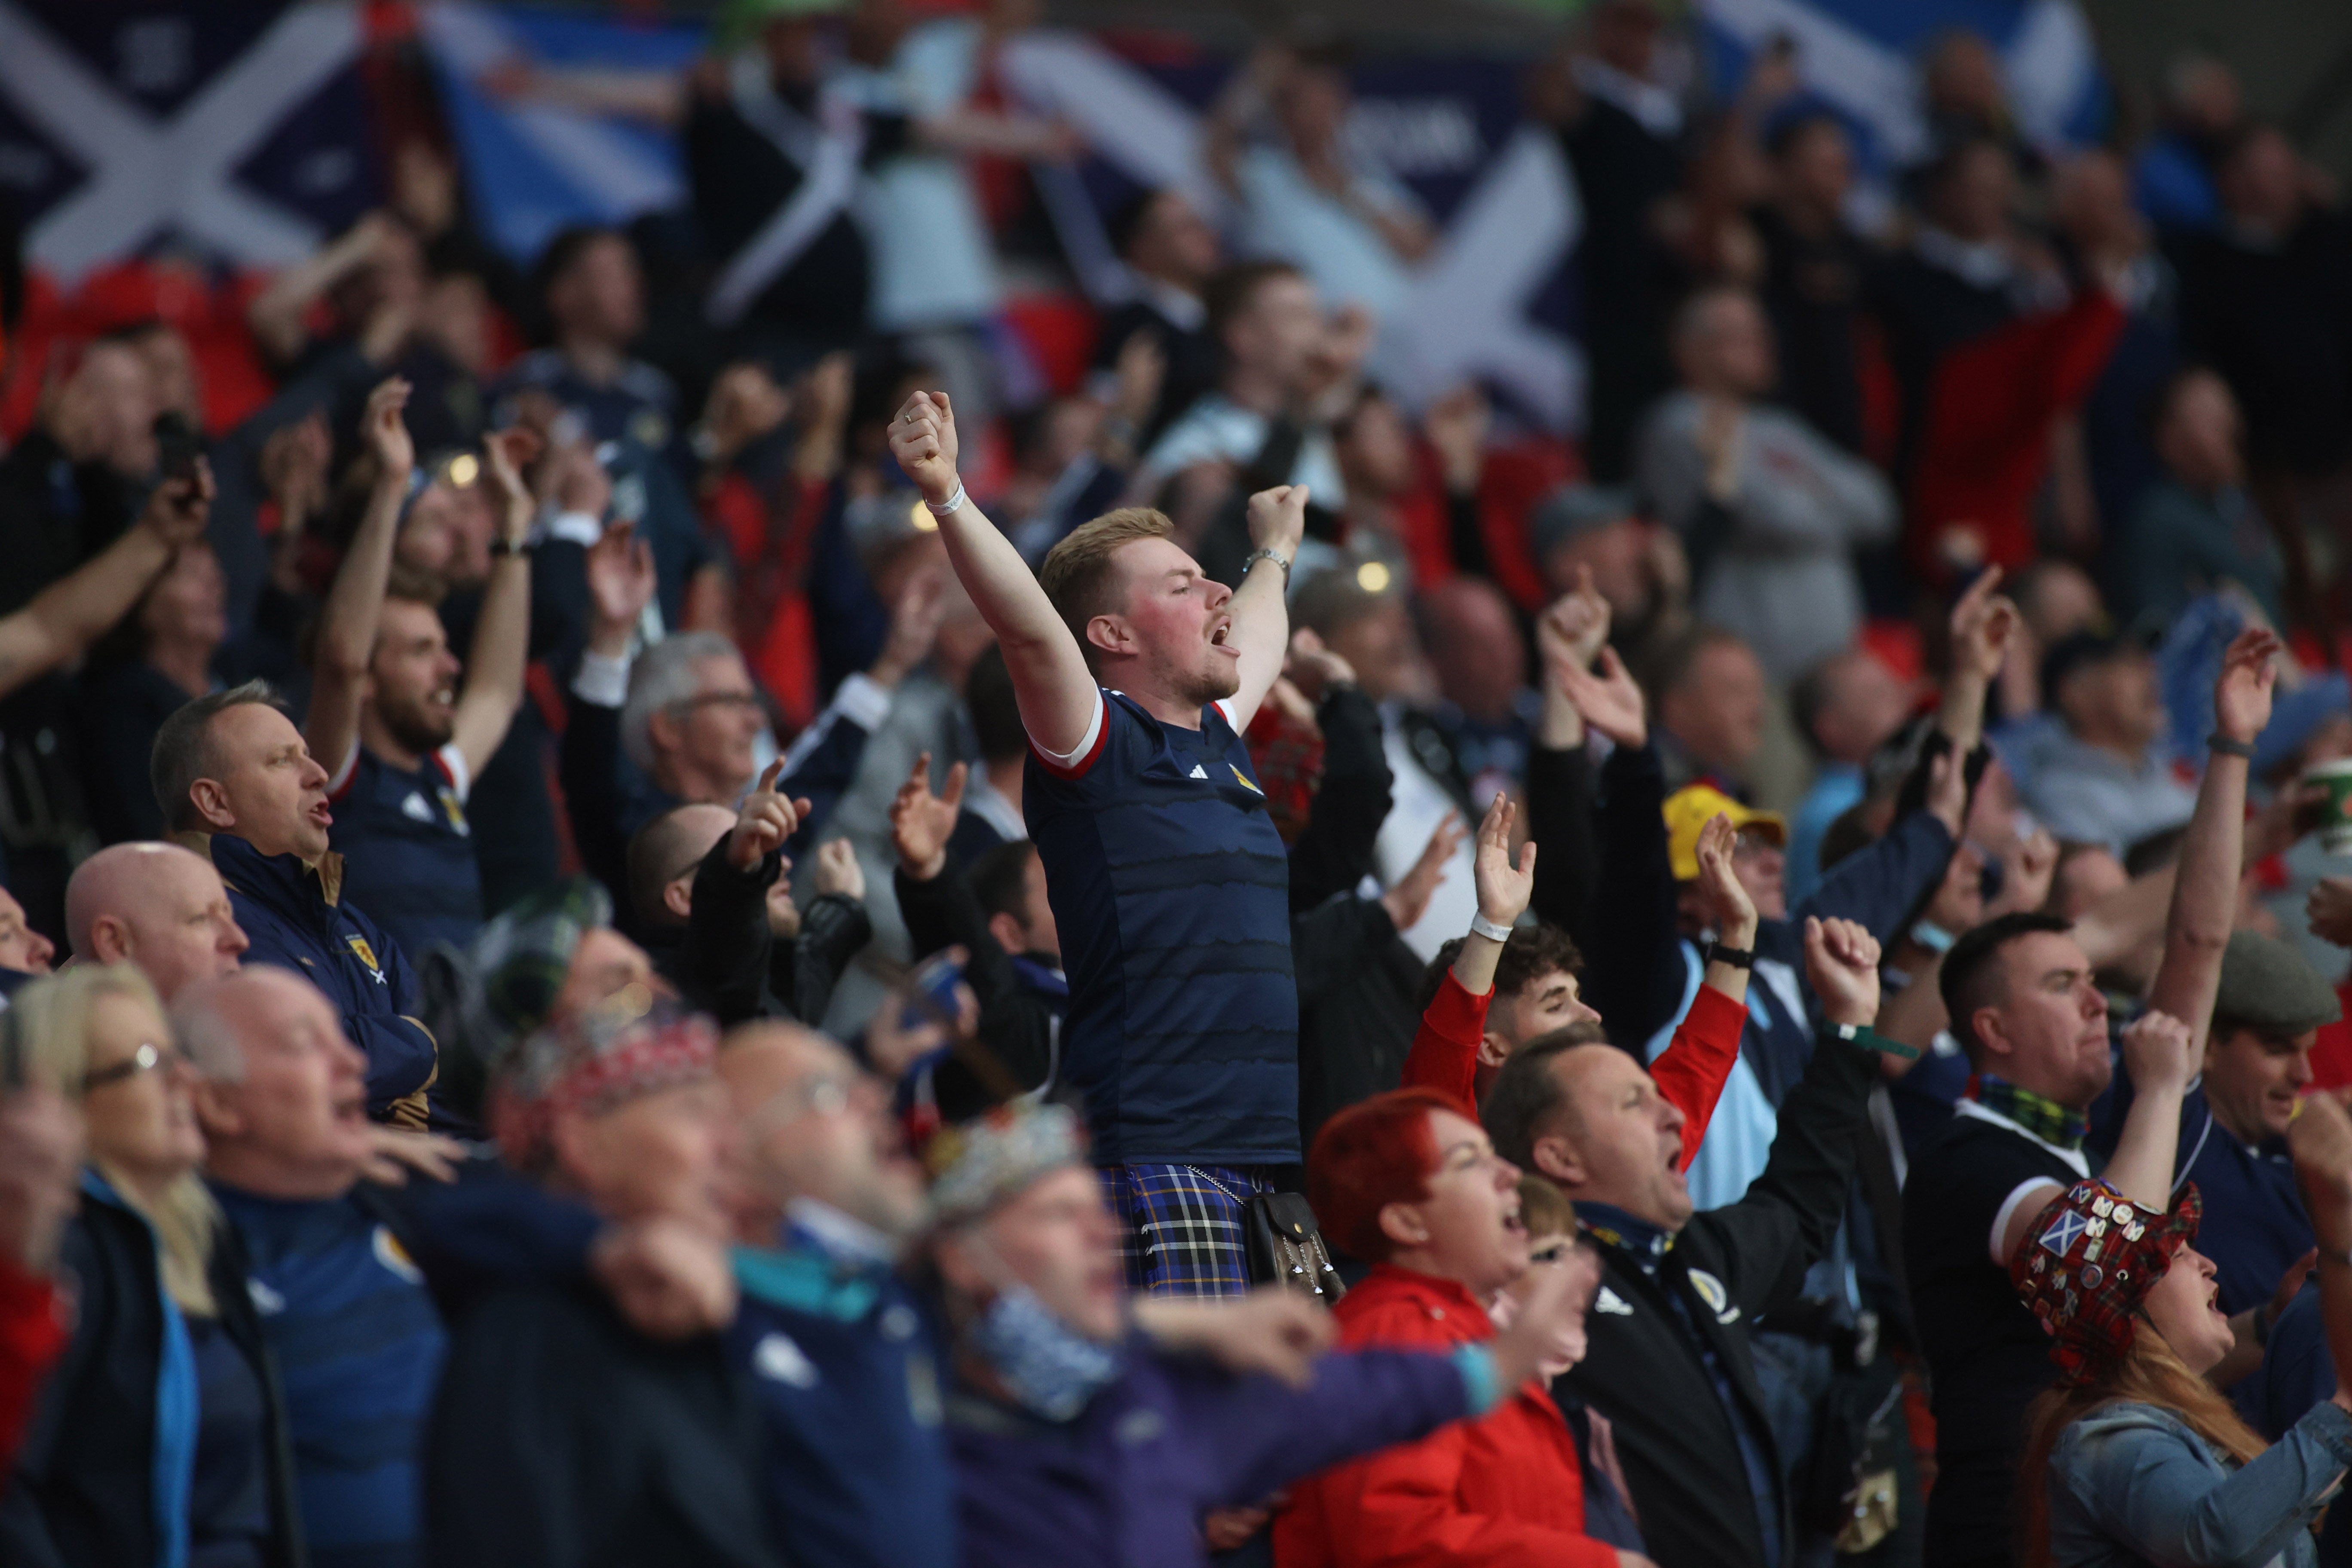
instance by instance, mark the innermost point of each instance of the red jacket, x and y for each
(32, 1337)
(1503, 1491)
(1689, 1072)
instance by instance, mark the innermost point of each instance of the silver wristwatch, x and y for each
(1255, 556)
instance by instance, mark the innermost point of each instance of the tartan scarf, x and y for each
(2037, 1114)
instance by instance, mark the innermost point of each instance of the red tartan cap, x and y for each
(2091, 1256)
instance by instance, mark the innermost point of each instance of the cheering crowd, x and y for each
(764, 935)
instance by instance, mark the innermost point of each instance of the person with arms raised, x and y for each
(2026, 1010)
(1136, 675)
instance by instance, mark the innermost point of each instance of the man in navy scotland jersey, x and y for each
(386, 713)
(1136, 674)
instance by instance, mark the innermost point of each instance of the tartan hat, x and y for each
(623, 1050)
(977, 1164)
(2091, 1257)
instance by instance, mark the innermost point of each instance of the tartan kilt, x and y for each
(1180, 1227)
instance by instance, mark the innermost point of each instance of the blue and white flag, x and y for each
(1861, 58)
(235, 128)
(535, 164)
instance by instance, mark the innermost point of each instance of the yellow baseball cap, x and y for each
(1692, 807)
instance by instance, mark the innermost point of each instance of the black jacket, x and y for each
(1359, 990)
(83, 1493)
(1334, 852)
(562, 1438)
(727, 963)
(1643, 1371)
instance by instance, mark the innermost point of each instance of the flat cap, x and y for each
(2266, 984)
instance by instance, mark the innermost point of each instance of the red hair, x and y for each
(1376, 1152)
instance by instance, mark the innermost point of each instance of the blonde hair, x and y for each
(1078, 574)
(2149, 1374)
(1544, 1209)
(50, 1021)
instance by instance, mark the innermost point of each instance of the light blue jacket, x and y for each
(2131, 1484)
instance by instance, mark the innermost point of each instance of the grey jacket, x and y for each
(1783, 574)
(2131, 1484)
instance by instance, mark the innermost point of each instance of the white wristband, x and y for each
(950, 504)
(1481, 926)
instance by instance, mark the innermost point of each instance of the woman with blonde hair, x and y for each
(161, 1436)
(2133, 1457)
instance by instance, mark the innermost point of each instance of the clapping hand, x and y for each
(2241, 697)
(505, 454)
(1504, 889)
(1574, 627)
(837, 870)
(766, 820)
(619, 568)
(386, 434)
(921, 822)
(178, 508)
(1841, 966)
(1611, 702)
(1312, 668)
(1730, 910)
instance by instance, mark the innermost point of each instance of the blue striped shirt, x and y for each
(1170, 887)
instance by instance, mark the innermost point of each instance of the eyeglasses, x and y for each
(828, 1094)
(722, 700)
(148, 1057)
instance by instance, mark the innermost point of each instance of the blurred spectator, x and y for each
(1307, 195)
(1963, 87)
(1172, 252)
(1046, 1367)
(170, 1366)
(24, 952)
(1282, 363)
(159, 657)
(2197, 529)
(559, 1422)
(232, 773)
(1387, 524)
(774, 151)
(1480, 658)
(1990, 351)
(2173, 178)
(1373, 634)
(1770, 512)
(40, 1187)
(720, 920)
(2105, 459)
(855, 1465)
(358, 1342)
(1638, 568)
(593, 293)
(1623, 132)
(158, 907)
(1815, 266)
(1845, 707)
(2262, 300)
(1709, 690)
(385, 706)
(934, 268)
(2098, 777)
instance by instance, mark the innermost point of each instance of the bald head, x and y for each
(157, 906)
(1473, 642)
(663, 858)
(816, 1128)
(283, 1100)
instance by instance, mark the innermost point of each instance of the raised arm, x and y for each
(1277, 521)
(75, 611)
(347, 624)
(1055, 691)
(1983, 626)
(2205, 894)
(494, 665)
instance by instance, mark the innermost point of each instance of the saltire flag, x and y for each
(234, 129)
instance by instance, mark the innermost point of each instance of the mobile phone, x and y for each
(177, 446)
(933, 995)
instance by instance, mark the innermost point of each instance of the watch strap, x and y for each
(2217, 741)
(1738, 957)
(1870, 1039)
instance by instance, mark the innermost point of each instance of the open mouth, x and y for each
(1217, 637)
(321, 814)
